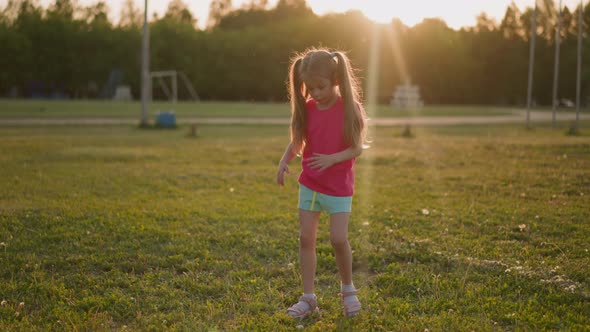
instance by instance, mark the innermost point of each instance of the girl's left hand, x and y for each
(320, 161)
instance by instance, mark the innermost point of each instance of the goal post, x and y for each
(160, 76)
(171, 90)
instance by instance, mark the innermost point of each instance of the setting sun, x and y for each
(456, 13)
(376, 10)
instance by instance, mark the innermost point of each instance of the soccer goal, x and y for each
(168, 83)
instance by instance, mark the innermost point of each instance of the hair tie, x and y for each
(333, 54)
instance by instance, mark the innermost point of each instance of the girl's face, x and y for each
(322, 91)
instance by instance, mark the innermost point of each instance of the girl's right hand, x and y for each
(283, 168)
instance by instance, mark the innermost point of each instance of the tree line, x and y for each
(69, 51)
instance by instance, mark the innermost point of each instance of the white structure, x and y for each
(172, 94)
(407, 95)
(123, 93)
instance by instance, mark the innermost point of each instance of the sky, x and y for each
(457, 13)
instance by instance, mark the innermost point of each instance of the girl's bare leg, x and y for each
(339, 240)
(308, 226)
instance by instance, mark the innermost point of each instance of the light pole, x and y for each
(531, 67)
(145, 68)
(579, 76)
(556, 68)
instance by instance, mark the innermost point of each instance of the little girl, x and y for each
(328, 128)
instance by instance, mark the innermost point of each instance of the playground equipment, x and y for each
(123, 93)
(407, 95)
(110, 88)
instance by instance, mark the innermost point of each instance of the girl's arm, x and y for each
(289, 154)
(283, 164)
(321, 162)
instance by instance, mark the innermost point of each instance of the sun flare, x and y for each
(456, 13)
(377, 10)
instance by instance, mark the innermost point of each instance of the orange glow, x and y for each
(456, 13)
(377, 10)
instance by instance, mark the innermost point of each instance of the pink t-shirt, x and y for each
(325, 135)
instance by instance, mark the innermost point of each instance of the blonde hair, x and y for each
(336, 67)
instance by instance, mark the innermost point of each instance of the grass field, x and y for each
(459, 228)
(110, 109)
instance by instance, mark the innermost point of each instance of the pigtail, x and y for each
(297, 98)
(355, 130)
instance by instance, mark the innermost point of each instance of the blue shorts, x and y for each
(314, 201)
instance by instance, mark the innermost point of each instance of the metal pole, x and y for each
(579, 76)
(145, 68)
(556, 68)
(175, 87)
(531, 66)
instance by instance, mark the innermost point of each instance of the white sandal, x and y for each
(350, 309)
(296, 310)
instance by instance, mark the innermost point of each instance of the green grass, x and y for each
(110, 109)
(459, 228)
